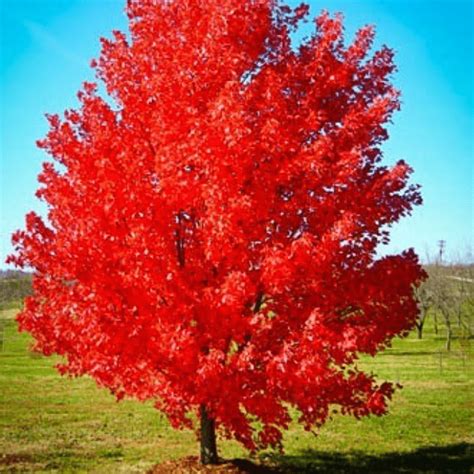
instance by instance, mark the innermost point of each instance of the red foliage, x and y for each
(212, 230)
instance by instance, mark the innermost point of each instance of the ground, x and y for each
(49, 423)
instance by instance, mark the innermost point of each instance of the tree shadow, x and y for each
(408, 353)
(454, 458)
(451, 459)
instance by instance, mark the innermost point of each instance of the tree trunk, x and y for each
(419, 328)
(449, 334)
(208, 438)
(449, 330)
(435, 319)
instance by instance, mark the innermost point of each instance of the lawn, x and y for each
(50, 423)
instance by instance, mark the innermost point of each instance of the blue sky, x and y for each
(46, 46)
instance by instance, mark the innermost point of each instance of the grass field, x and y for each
(50, 423)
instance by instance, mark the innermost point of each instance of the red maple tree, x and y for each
(213, 224)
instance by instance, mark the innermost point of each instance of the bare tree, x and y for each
(462, 278)
(451, 288)
(424, 296)
(442, 297)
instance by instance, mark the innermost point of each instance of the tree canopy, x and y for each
(213, 219)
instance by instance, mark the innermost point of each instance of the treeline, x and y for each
(14, 286)
(14, 274)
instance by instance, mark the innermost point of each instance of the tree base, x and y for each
(208, 438)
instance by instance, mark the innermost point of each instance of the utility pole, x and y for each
(441, 246)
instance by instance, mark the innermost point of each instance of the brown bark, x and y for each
(449, 334)
(435, 319)
(208, 438)
(419, 328)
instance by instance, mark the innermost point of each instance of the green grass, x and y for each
(50, 423)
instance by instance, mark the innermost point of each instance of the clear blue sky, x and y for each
(46, 46)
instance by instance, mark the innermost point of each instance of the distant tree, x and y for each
(462, 279)
(211, 241)
(444, 300)
(424, 296)
(450, 288)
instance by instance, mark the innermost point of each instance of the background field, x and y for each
(49, 423)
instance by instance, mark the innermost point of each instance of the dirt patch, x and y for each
(192, 465)
(8, 459)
